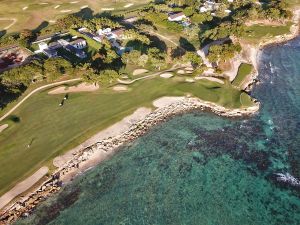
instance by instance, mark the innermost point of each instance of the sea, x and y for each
(199, 168)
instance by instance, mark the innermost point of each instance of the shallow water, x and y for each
(199, 168)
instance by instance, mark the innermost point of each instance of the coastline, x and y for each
(90, 156)
(92, 152)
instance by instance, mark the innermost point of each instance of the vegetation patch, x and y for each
(244, 70)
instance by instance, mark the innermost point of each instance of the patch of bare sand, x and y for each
(139, 72)
(114, 130)
(23, 186)
(166, 101)
(128, 5)
(211, 79)
(120, 88)
(166, 75)
(3, 127)
(180, 72)
(189, 80)
(82, 87)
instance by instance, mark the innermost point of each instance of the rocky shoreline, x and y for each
(23, 207)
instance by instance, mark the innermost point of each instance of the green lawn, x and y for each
(53, 129)
(257, 32)
(36, 13)
(244, 70)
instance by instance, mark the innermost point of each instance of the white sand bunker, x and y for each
(211, 79)
(52, 21)
(57, 6)
(66, 10)
(181, 72)
(107, 9)
(120, 88)
(44, 3)
(74, 2)
(3, 127)
(24, 8)
(166, 75)
(84, 6)
(128, 5)
(189, 80)
(83, 87)
(139, 72)
(166, 101)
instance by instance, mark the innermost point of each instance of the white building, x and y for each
(79, 43)
(176, 17)
(43, 46)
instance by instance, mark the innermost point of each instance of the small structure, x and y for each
(87, 33)
(42, 46)
(118, 33)
(176, 17)
(79, 43)
(51, 53)
(78, 52)
(209, 6)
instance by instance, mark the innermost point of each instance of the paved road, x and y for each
(33, 92)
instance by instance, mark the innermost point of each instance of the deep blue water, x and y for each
(199, 168)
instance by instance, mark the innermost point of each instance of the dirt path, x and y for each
(23, 186)
(33, 92)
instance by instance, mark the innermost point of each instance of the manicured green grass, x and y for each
(257, 32)
(54, 130)
(37, 13)
(244, 70)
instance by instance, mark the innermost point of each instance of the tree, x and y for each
(156, 58)
(201, 18)
(193, 58)
(133, 35)
(16, 79)
(217, 53)
(131, 57)
(56, 67)
(107, 77)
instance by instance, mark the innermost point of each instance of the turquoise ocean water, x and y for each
(199, 168)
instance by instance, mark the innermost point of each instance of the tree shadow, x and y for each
(42, 26)
(185, 44)
(86, 13)
(2, 33)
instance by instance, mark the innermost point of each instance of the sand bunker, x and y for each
(74, 2)
(66, 10)
(120, 88)
(57, 6)
(189, 80)
(83, 7)
(181, 72)
(108, 9)
(166, 101)
(128, 5)
(166, 75)
(24, 8)
(112, 131)
(139, 72)
(83, 87)
(211, 79)
(23, 186)
(3, 127)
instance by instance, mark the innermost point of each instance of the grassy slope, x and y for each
(55, 129)
(256, 33)
(244, 70)
(36, 13)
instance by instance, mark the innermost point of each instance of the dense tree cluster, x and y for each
(223, 52)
